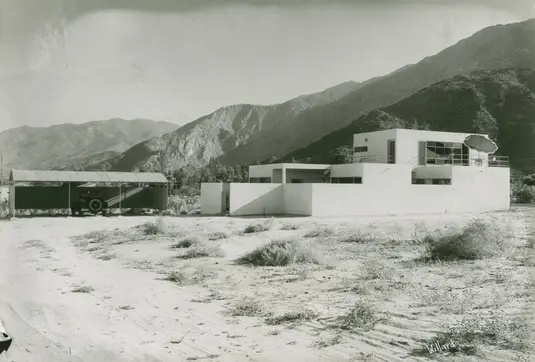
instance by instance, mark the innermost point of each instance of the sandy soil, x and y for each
(69, 296)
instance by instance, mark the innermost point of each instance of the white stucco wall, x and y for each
(383, 175)
(211, 198)
(472, 190)
(256, 199)
(377, 144)
(261, 170)
(407, 144)
(297, 199)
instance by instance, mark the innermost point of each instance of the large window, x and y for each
(361, 149)
(443, 153)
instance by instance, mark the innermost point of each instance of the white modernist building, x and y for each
(396, 171)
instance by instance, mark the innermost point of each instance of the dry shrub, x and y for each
(474, 331)
(361, 316)
(321, 232)
(477, 240)
(356, 237)
(281, 253)
(153, 228)
(302, 315)
(186, 243)
(184, 277)
(374, 269)
(259, 227)
(184, 204)
(201, 251)
(290, 227)
(217, 235)
(246, 308)
(4, 209)
(82, 289)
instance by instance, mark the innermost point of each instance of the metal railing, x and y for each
(456, 160)
(372, 159)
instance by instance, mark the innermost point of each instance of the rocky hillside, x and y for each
(245, 133)
(501, 46)
(218, 133)
(68, 146)
(498, 102)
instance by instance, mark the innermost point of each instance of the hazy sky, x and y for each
(65, 61)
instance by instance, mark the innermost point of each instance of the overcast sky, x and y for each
(64, 61)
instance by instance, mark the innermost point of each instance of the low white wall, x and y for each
(256, 199)
(211, 198)
(486, 189)
(297, 199)
(385, 175)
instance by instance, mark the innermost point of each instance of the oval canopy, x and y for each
(480, 143)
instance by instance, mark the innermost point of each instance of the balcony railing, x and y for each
(456, 160)
(372, 159)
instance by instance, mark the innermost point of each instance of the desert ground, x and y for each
(151, 288)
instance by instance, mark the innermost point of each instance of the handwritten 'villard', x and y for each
(436, 347)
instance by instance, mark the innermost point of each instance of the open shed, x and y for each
(80, 190)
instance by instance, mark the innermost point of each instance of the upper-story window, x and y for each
(443, 153)
(361, 149)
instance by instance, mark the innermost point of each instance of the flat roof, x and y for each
(304, 166)
(86, 176)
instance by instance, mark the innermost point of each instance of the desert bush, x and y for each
(186, 243)
(182, 277)
(361, 316)
(202, 251)
(355, 237)
(259, 227)
(373, 269)
(246, 308)
(477, 240)
(474, 331)
(4, 209)
(184, 204)
(281, 253)
(320, 232)
(301, 315)
(289, 227)
(153, 228)
(82, 289)
(522, 194)
(217, 235)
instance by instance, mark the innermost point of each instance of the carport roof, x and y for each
(86, 176)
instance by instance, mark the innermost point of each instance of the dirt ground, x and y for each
(100, 289)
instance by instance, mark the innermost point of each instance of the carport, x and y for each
(42, 190)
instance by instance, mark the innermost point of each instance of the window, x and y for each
(434, 181)
(443, 153)
(346, 180)
(297, 181)
(361, 149)
(261, 180)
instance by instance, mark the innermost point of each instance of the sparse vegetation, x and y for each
(290, 227)
(355, 237)
(324, 343)
(301, 315)
(246, 308)
(361, 316)
(217, 235)
(320, 233)
(474, 331)
(281, 253)
(475, 241)
(185, 277)
(153, 228)
(522, 193)
(258, 227)
(202, 251)
(374, 269)
(82, 289)
(186, 243)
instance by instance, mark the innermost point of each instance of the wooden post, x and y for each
(120, 200)
(69, 210)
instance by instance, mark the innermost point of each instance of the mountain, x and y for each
(218, 133)
(67, 146)
(500, 103)
(245, 133)
(495, 47)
